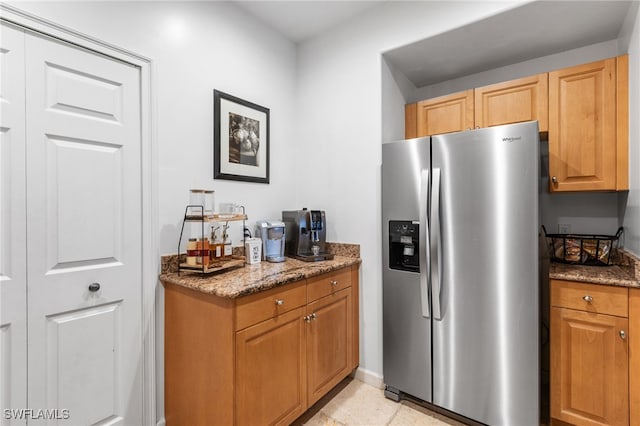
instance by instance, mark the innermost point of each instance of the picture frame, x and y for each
(240, 139)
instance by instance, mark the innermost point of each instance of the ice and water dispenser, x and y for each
(404, 245)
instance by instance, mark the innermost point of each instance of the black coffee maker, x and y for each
(306, 235)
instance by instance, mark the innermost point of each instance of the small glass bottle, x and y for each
(215, 246)
(226, 242)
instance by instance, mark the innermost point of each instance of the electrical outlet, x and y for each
(564, 228)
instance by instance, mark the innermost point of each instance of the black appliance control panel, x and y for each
(404, 245)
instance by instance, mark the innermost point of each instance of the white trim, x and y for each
(150, 256)
(370, 378)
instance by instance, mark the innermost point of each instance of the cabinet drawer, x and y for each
(326, 284)
(258, 307)
(594, 298)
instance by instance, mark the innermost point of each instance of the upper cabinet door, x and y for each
(411, 121)
(582, 127)
(524, 99)
(445, 114)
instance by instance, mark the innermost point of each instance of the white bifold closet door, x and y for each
(83, 235)
(13, 218)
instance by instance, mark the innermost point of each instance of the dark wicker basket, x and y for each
(581, 249)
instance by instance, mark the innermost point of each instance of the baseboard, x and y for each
(369, 377)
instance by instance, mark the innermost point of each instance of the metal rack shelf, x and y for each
(217, 265)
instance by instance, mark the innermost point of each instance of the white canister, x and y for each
(253, 250)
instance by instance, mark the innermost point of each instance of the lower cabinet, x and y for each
(271, 369)
(589, 354)
(261, 359)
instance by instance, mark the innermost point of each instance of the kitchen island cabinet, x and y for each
(258, 351)
(588, 127)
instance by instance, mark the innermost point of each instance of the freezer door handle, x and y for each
(425, 267)
(435, 244)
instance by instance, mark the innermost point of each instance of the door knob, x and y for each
(93, 287)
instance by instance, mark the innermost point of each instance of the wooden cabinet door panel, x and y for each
(329, 347)
(258, 307)
(582, 127)
(590, 367)
(445, 114)
(515, 101)
(593, 298)
(411, 121)
(271, 371)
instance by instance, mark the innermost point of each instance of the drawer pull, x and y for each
(588, 299)
(279, 302)
(334, 282)
(623, 335)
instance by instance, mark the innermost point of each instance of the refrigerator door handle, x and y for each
(425, 257)
(435, 246)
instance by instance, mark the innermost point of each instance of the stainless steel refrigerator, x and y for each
(460, 272)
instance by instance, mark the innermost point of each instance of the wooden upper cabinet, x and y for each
(411, 121)
(445, 114)
(587, 142)
(515, 101)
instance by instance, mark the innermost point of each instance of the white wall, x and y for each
(340, 97)
(197, 47)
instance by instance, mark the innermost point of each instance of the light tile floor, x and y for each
(353, 402)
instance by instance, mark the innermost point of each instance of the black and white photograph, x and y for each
(241, 139)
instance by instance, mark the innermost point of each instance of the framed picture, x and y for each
(240, 139)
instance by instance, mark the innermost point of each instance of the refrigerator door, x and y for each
(485, 250)
(405, 293)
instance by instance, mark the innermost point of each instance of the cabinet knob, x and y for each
(313, 316)
(623, 335)
(587, 298)
(334, 282)
(93, 287)
(306, 318)
(279, 302)
(554, 179)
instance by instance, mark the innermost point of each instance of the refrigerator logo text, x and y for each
(512, 139)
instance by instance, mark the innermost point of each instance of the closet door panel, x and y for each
(84, 239)
(13, 302)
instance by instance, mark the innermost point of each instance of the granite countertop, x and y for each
(261, 276)
(625, 274)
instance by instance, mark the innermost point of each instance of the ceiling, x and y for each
(531, 31)
(300, 20)
(536, 29)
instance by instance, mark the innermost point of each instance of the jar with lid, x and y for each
(209, 202)
(196, 203)
(202, 248)
(192, 251)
